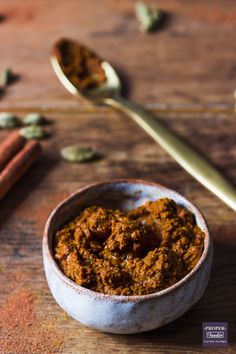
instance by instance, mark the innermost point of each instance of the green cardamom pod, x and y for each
(75, 153)
(8, 120)
(33, 119)
(148, 17)
(5, 77)
(33, 132)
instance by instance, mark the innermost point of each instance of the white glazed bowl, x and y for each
(117, 313)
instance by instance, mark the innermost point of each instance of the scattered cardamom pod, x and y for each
(5, 77)
(75, 153)
(148, 17)
(33, 119)
(8, 120)
(33, 132)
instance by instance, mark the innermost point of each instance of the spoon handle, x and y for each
(187, 157)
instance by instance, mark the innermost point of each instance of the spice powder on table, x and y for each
(21, 331)
(140, 252)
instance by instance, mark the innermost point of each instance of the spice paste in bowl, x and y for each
(136, 253)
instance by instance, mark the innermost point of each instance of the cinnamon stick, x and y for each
(9, 147)
(18, 166)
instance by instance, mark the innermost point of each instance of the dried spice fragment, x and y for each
(34, 119)
(75, 153)
(6, 77)
(148, 17)
(33, 132)
(9, 120)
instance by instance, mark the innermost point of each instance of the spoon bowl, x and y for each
(109, 88)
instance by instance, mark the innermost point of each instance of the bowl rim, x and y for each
(124, 298)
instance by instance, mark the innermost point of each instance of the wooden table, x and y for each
(186, 75)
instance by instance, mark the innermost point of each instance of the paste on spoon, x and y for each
(80, 65)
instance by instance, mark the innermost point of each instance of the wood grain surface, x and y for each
(184, 74)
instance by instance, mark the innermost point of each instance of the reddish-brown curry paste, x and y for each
(140, 252)
(81, 65)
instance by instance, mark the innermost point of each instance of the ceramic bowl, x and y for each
(117, 313)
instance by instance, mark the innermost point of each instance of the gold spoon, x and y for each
(109, 92)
